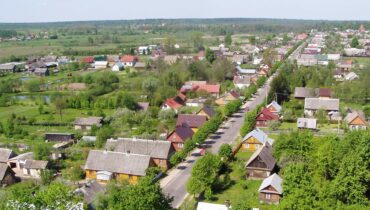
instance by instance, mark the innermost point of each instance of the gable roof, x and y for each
(7, 66)
(275, 105)
(259, 135)
(208, 110)
(35, 164)
(324, 92)
(264, 153)
(191, 120)
(275, 181)
(174, 103)
(266, 114)
(242, 80)
(128, 58)
(321, 103)
(303, 92)
(153, 148)
(88, 121)
(184, 132)
(209, 88)
(352, 116)
(6, 154)
(117, 162)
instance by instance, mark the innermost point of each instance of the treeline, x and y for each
(8, 33)
(325, 173)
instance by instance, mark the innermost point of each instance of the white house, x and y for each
(118, 66)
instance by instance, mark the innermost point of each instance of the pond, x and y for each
(45, 98)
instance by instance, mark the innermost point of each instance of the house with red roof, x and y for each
(179, 136)
(88, 59)
(264, 117)
(173, 103)
(129, 60)
(201, 86)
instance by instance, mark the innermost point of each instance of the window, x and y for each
(257, 146)
(268, 196)
(246, 145)
(180, 145)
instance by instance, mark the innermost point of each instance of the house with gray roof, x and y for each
(6, 154)
(90, 191)
(261, 163)
(311, 105)
(304, 92)
(255, 140)
(42, 72)
(242, 71)
(104, 166)
(271, 189)
(7, 68)
(159, 151)
(33, 168)
(87, 123)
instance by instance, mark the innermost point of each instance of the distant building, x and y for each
(191, 120)
(355, 121)
(87, 123)
(59, 137)
(42, 72)
(311, 105)
(33, 168)
(179, 136)
(118, 66)
(265, 117)
(254, 140)
(101, 64)
(7, 68)
(7, 176)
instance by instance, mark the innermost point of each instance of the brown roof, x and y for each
(191, 120)
(325, 92)
(183, 132)
(264, 153)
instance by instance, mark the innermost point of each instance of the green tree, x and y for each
(228, 40)
(269, 57)
(41, 151)
(102, 135)
(210, 55)
(225, 151)
(46, 176)
(60, 104)
(204, 173)
(33, 85)
(147, 194)
(150, 85)
(355, 43)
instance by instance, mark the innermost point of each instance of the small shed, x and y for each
(59, 137)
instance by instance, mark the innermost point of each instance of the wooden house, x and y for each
(228, 97)
(265, 117)
(207, 111)
(104, 166)
(274, 108)
(59, 137)
(255, 140)
(191, 120)
(355, 121)
(87, 123)
(311, 105)
(179, 136)
(159, 151)
(271, 189)
(33, 168)
(7, 176)
(261, 164)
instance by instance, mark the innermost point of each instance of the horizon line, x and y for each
(196, 18)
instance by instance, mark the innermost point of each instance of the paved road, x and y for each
(175, 183)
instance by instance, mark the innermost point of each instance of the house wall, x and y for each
(132, 179)
(261, 123)
(9, 179)
(35, 173)
(162, 163)
(257, 173)
(251, 144)
(274, 198)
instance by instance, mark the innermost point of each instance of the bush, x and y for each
(225, 151)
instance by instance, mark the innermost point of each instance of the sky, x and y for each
(80, 10)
